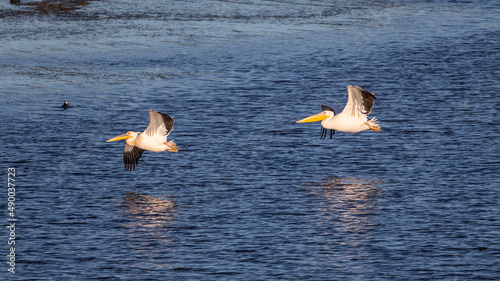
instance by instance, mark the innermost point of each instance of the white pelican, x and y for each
(352, 119)
(154, 138)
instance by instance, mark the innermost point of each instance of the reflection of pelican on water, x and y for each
(350, 188)
(147, 212)
(349, 203)
(149, 225)
(348, 225)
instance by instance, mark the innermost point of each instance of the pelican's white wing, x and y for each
(159, 124)
(359, 101)
(131, 155)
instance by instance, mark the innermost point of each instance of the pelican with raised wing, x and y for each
(154, 138)
(352, 119)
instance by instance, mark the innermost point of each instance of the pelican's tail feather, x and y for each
(172, 146)
(373, 125)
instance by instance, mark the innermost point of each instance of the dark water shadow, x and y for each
(51, 6)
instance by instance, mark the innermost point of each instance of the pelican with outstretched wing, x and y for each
(154, 138)
(352, 119)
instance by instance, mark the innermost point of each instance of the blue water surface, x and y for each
(251, 195)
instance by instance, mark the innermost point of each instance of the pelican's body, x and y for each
(343, 122)
(154, 138)
(352, 119)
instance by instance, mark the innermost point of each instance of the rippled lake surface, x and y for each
(251, 195)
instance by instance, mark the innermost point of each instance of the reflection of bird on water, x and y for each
(349, 200)
(148, 219)
(145, 205)
(352, 119)
(154, 138)
(66, 105)
(349, 185)
(348, 215)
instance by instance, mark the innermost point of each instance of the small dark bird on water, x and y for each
(66, 105)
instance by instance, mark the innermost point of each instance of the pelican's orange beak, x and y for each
(314, 118)
(120, 137)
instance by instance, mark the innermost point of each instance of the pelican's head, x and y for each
(126, 136)
(327, 112)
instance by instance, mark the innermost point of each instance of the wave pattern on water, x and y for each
(251, 194)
